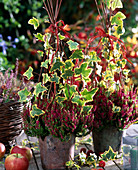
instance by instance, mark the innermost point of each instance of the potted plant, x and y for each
(10, 107)
(59, 109)
(115, 106)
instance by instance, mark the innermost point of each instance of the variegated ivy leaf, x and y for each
(39, 89)
(113, 4)
(117, 19)
(125, 72)
(23, 94)
(121, 63)
(28, 73)
(60, 99)
(94, 57)
(34, 22)
(112, 65)
(61, 37)
(68, 64)
(67, 73)
(39, 36)
(109, 155)
(116, 4)
(116, 109)
(76, 99)
(47, 37)
(119, 30)
(45, 63)
(41, 53)
(77, 54)
(46, 78)
(83, 70)
(88, 95)
(108, 75)
(36, 111)
(72, 45)
(57, 65)
(69, 90)
(55, 78)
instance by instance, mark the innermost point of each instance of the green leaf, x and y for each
(72, 45)
(45, 63)
(86, 109)
(39, 89)
(36, 111)
(61, 37)
(55, 78)
(41, 53)
(88, 95)
(57, 65)
(116, 4)
(46, 78)
(108, 75)
(77, 54)
(60, 99)
(76, 99)
(113, 4)
(68, 73)
(117, 19)
(23, 94)
(108, 3)
(68, 64)
(83, 70)
(28, 73)
(39, 37)
(69, 90)
(109, 155)
(94, 57)
(34, 22)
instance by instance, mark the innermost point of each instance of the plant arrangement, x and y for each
(60, 98)
(114, 103)
(10, 85)
(74, 82)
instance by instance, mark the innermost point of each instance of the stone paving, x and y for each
(37, 166)
(110, 165)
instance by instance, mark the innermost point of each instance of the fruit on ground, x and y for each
(25, 151)
(16, 162)
(2, 150)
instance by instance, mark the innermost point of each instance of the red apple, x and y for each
(23, 150)
(16, 162)
(2, 150)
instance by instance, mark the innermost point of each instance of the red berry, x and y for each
(101, 164)
(83, 150)
(88, 153)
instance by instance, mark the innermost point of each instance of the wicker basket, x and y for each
(10, 122)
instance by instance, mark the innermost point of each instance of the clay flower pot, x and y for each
(54, 153)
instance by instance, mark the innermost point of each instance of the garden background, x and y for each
(17, 39)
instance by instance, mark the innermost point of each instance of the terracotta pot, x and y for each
(109, 136)
(54, 153)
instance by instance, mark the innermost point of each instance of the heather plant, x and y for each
(10, 85)
(118, 109)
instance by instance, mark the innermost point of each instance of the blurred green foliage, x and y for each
(14, 16)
